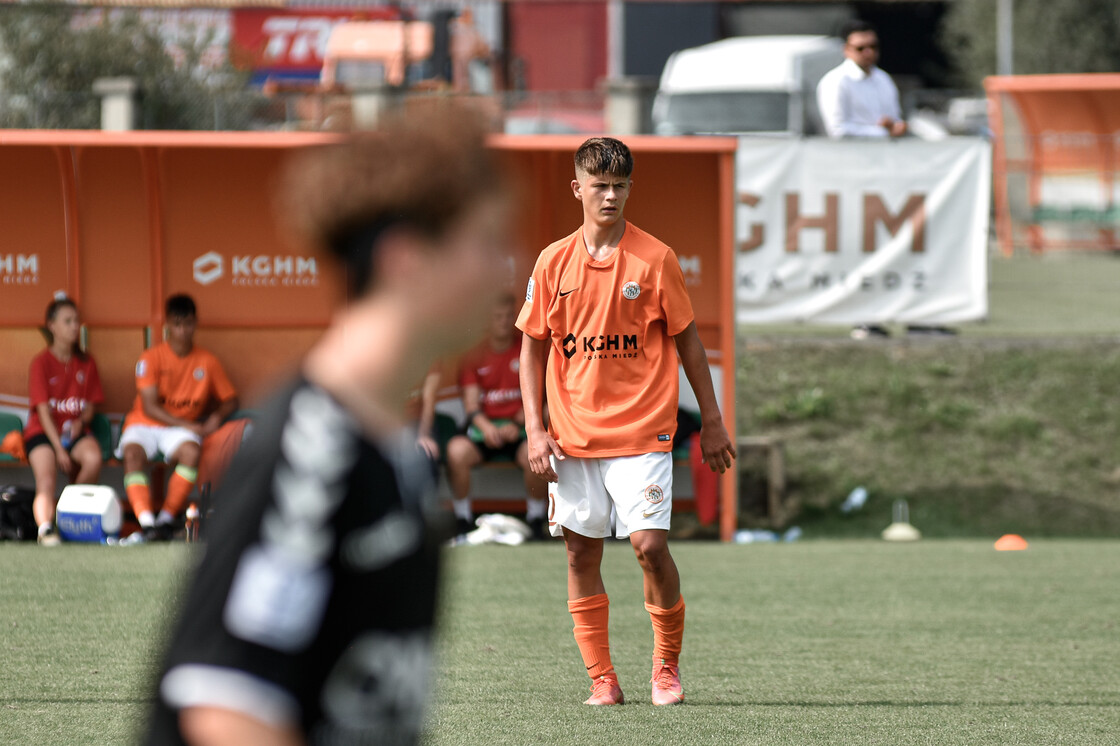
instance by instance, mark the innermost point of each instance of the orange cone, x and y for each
(1011, 543)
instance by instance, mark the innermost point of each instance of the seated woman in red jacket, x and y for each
(63, 387)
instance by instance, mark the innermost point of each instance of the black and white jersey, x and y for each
(314, 601)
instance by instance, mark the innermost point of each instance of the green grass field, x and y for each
(1010, 426)
(815, 642)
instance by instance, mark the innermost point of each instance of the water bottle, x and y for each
(192, 523)
(65, 435)
(747, 536)
(855, 501)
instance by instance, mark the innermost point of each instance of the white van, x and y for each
(746, 84)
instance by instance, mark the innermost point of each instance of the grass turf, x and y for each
(818, 642)
(815, 642)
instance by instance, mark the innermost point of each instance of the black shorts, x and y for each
(507, 452)
(42, 440)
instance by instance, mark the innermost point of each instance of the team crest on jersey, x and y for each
(80, 377)
(631, 290)
(529, 290)
(198, 374)
(654, 494)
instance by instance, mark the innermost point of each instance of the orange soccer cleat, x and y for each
(606, 691)
(666, 680)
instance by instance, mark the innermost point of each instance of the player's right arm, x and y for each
(472, 405)
(534, 360)
(425, 427)
(39, 394)
(214, 726)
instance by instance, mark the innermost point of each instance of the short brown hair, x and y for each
(604, 156)
(422, 170)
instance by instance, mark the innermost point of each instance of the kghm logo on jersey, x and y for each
(600, 346)
(631, 290)
(654, 494)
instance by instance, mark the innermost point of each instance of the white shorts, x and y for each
(157, 440)
(639, 488)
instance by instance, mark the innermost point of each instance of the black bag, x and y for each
(17, 520)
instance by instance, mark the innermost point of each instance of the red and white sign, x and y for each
(291, 40)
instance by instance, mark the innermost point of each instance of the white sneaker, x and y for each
(48, 537)
(136, 537)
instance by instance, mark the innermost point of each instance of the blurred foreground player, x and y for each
(310, 617)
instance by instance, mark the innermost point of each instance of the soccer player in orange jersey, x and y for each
(606, 319)
(182, 395)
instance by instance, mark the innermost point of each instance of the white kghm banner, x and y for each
(855, 232)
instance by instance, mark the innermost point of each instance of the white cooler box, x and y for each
(88, 512)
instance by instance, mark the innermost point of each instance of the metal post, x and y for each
(1004, 37)
(616, 39)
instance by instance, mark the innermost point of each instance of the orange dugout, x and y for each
(122, 220)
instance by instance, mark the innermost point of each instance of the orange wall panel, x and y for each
(221, 244)
(115, 230)
(33, 248)
(17, 347)
(258, 360)
(116, 350)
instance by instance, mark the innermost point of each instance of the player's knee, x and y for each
(134, 458)
(652, 554)
(461, 452)
(584, 556)
(187, 454)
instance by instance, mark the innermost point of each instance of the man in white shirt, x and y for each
(856, 98)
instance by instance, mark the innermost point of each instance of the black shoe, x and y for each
(867, 331)
(463, 526)
(159, 532)
(540, 529)
(931, 331)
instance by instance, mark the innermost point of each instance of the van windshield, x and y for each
(722, 111)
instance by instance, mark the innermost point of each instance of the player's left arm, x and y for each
(226, 394)
(221, 414)
(715, 443)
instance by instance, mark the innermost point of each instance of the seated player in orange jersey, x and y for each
(182, 395)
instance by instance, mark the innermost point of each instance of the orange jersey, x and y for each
(188, 386)
(611, 382)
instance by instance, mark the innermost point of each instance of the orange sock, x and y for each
(179, 488)
(590, 615)
(139, 494)
(668, 631)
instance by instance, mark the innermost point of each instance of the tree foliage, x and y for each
(1050, 36)
(50, 61)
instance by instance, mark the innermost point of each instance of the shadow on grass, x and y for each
(967, 512)
(905, 703)
(10, 701)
